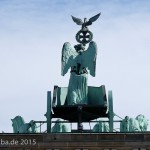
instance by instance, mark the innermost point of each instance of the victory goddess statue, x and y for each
(82, 62)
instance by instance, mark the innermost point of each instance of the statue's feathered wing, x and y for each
(68, 58)
(89, 58)
(78, 21)
(92, 19)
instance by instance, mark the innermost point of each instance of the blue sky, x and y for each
(32, 33)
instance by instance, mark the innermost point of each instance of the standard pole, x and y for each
(48, 114)
(111, 112)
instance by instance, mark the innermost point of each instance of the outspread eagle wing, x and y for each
(89, 58)
(92, 19)
(68, 58)
(77, 20)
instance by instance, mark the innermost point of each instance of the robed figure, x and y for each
(82, 62)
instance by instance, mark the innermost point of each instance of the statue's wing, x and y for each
(77, 20)
(68, 56)
(89, 58)
(92, 19)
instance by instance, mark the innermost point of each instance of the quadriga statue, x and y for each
(19, 125)
(101, 127)
(82, 62)
(140, 123)
(60, 127)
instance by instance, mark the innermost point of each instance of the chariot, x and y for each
(99, 106)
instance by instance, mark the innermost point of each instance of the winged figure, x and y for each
(82, 62)
(85, 23)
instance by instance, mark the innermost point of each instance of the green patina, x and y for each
(81, 62)
(140, 123)
(19, 125)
